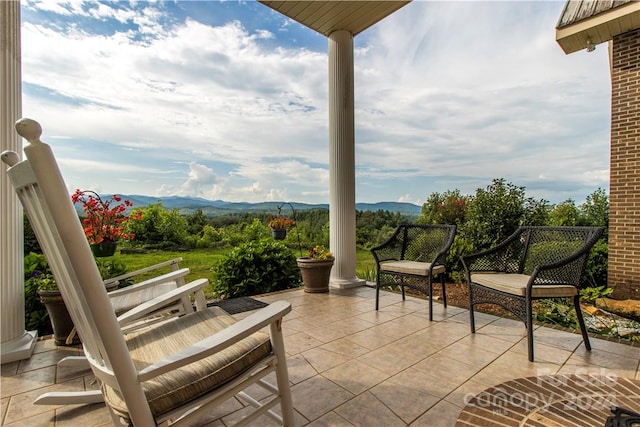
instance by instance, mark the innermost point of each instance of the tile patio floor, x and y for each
(350, 365)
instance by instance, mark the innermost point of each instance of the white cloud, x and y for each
(447, 93)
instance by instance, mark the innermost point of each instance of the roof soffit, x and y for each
(326, 17)
(581, 31)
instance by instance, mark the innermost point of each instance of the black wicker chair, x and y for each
(533, 263)
(411, 257)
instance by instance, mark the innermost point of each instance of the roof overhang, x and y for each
(599, 28)
(326, 17)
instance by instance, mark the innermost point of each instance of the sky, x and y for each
(229, 100)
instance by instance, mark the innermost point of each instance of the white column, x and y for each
(17, 344)
(342, 200)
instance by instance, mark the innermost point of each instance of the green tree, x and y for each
(564, 214)
(158, 227)
(595, 210)
(196, 222)
(444, 208)
(494, 213)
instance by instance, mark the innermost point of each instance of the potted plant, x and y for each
(316, 269)
(279, 226)
(41, 279)
(51, 298)
(103, 223)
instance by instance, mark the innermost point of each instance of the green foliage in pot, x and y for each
(255, 268)
(36, 316)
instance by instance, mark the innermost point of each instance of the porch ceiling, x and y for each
(326, 17)
(589, 22)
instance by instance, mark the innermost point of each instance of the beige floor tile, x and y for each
(461, 396)
(330, 420)
(487, 342)
(317, 396)
(370, 339)
(4, 403)
(512, 333)
(389, 365)
(340, 329)
(406, 403)
(44, 344)
(443, 414)
(620, 349)
(345, 347)
(299, 369)
(21, 405)
(47, 358)
(469, 354)
(28, 381)
(299, 342)
(82, 415)
(365, 410)
(543, 352)
(355, 376)
(401, 326)
(390, 359)
(322, 360)
(45, 419)
(9, 369)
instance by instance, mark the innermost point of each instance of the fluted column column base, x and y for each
(17, 344)
(342, 203)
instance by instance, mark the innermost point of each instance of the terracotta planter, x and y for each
(315, 273)
(103, 249)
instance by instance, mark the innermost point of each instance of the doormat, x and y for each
(238, 305)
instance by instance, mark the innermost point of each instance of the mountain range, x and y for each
(187, 205)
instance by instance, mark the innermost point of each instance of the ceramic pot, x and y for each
(315, 273)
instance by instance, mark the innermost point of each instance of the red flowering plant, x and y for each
(280, 222)
(103, 220)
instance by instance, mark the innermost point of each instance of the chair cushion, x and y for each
(182, 385)
(410, 267)
(125, 302)
(516, 284)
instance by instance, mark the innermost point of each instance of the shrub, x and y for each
(254, 268)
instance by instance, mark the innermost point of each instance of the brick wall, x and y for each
(624, 215)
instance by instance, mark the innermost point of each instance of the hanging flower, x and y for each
(280, 223)
(103, 222)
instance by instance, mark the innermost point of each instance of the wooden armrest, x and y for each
(168, 277)
(175, 295)
(219, 341)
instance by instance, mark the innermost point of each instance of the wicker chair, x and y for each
(170, 374)
(411, 257)
(533, 263)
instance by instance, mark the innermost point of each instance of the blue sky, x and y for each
(228, 100)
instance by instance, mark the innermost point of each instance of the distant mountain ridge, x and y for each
(187, 205)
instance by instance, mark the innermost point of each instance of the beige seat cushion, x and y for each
(516, 284)
(128, 301)
(410, 267)
(177, 387)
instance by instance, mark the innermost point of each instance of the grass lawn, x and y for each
(200, 262)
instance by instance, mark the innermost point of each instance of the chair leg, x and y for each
(402, 287)
(529, 325)
(444, 290)
(430, 299)
(472, 320)
(583, 328)
(377, 293)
